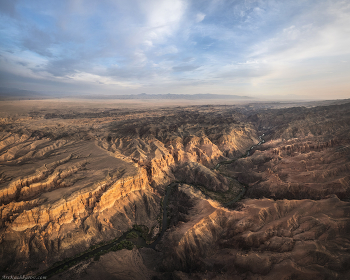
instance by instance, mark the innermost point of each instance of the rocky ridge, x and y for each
(71, 193)
(91, 180)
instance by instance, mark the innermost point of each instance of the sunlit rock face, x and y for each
(69, 197)
(73, 177)
(263, 238)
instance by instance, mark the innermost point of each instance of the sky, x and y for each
(258, 48)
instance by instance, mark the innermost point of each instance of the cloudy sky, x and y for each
(260, 48)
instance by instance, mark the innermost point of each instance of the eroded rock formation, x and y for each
(70, 179)
(304, 239)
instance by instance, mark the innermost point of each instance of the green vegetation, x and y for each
(132, 235)
(143, 230)
(95, 253)
(124, 244)
(138, 228)
(127, 244)
(160, 220)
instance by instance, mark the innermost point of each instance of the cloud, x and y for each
(185, 68)
(8, 7)
(175, 43)
(91, 78)
(200, 17)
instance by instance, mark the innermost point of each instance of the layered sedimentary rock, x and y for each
(70, 202)
(263, 239)
(72, 178)
(194, 173)
(68, 184)
(260, 239)
(308, 157)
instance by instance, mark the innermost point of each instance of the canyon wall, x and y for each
(72, 179)
(67, 184)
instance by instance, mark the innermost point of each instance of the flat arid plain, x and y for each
(112, 189)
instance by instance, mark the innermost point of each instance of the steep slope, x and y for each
(71, 178)
(308, 157)
(264, 239)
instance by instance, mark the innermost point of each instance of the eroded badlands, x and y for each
(73, 175)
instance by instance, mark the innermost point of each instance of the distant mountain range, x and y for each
(144, 96)
(12, 93)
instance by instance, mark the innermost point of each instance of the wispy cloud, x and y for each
(255, 47)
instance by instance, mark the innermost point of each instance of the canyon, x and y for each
(75, 174)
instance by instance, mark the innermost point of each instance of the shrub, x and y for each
(132, 235)
(137, 227)
(114, 248)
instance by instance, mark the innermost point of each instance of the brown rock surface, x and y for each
(264, 239)
(122, 264)
(72, 176)
(308, 157)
